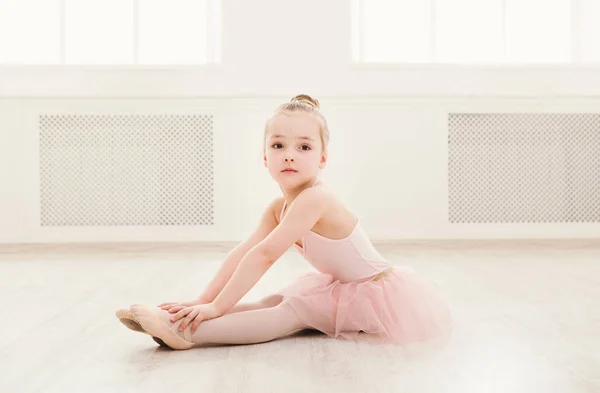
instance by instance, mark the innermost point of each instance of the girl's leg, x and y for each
(269, 301)
(245, 327)
(126, 317)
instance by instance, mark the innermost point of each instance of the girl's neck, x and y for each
(291, 193)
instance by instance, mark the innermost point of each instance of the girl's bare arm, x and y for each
(266, 225)
(304, 212)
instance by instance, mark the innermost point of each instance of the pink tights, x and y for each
(250, 323)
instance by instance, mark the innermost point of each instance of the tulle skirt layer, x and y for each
(399, 307)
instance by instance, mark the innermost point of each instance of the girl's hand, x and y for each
(174, 307)
(197, 314)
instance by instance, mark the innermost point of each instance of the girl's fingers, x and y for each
(174, 309)
(181, 314)
(187, 320)
(170, 306)
(196, 323)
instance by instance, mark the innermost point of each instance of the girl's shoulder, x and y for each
(318, 191)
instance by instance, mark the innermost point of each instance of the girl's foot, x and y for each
(127, 319)
(157, 323)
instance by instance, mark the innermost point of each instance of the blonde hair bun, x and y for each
(307, 99)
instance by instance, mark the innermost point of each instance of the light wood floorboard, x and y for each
(527, 320)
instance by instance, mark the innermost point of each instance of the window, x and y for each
(476, 31)
(114, 32)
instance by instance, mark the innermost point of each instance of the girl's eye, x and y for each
(277, 146)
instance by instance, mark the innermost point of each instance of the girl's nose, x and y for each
(289, 155)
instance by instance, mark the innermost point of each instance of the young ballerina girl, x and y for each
(353, 290)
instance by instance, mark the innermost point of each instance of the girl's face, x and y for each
(293, 151)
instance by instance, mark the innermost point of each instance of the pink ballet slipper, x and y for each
(128, 320)
(157, 323)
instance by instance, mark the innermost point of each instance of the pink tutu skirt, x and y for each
(399, 307)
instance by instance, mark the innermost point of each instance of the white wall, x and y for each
(271, 51)
(388, 162)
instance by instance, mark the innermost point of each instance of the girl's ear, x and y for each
(265, 160)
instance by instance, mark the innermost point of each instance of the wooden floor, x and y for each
(528, 320)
